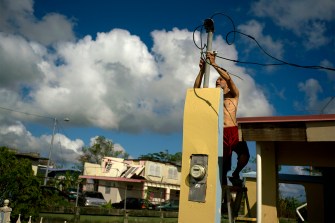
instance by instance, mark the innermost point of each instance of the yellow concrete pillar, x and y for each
(202, 134)
(250, 184)
(268, 183)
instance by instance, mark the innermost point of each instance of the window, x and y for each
(108, 167)
(173, 173)
(155, 170)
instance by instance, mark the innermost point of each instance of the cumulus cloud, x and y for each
(305, 18)
(330, 74)
(313, 102)
(17, 17)
(311, 89)
(293, 190)
(18, 61)
(255, 29)
(181, 63)
(112, 81)
(15, 135)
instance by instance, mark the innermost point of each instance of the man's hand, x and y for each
(211, 57)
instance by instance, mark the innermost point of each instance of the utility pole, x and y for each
(209, 26)
(51, 147)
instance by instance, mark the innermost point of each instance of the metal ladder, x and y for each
(235, 204)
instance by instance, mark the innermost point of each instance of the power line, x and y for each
(26, 113)
(234, 32)
(55, 130)
(324, 107)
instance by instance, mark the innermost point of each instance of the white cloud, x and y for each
(311, 88)
(255, 29)
(330, 74)
(293, 190)
(278, 92)
(182, 64)
(119, 147)
(18, 61)
(17, 17)
(306, 18)
(16, 136)
(313, 101)
(113, 81)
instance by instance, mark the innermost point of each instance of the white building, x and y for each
(118, 178)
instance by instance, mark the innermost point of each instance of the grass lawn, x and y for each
(69, 218)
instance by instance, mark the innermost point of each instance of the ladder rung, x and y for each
(235, 188)
(245, 219)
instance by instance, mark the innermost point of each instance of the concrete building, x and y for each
(297, 141)
(118, 178)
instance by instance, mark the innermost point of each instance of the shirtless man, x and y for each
(230, 103)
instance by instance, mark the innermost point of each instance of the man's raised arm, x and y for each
(200, 75)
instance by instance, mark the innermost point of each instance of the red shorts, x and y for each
(231, 143)
(230, 138)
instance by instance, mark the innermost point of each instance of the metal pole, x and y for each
(77, 194)
(125, 198)
(49, 157)
(209, 26)
(259, 182)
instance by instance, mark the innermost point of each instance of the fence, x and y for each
(5, 212)
(94, 215)
(90, 214)
(113, 193)
(98, 214)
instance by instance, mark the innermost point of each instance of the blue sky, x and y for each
(121, 69)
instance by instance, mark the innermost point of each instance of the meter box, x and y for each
(198, 177)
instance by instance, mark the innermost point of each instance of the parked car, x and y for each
(134, 203)
(91, 198)
(169, 205)
(72, 193)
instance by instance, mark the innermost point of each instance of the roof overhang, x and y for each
(307, 128)
(119, 179)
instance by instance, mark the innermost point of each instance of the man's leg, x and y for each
(224, 207)
(226, 166)
(243, 157)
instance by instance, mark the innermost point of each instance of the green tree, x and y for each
(163, 156)
(70, 180)
(102, 147)
(19, 185)
(287, 207)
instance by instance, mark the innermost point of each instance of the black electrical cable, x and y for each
(232, 22)
(200, 48)
(253, 63)
(234, 31)
(282, 62)
(26, 113)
